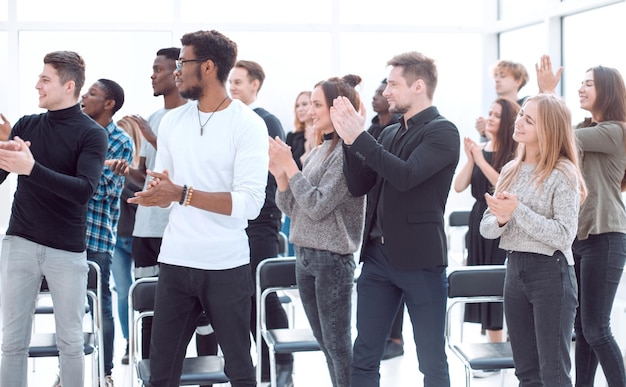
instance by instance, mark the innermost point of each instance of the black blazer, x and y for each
(415, 180)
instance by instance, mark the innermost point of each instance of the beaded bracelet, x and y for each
(189, 194)
(183, 197)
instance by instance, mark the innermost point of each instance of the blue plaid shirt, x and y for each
(103, 209)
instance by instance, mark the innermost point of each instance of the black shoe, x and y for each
(284, 375)
(125, 357)
(393, 349)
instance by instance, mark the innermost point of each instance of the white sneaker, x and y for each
(57, 382)
(204, 330)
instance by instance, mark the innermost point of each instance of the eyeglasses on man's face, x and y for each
(181, 62)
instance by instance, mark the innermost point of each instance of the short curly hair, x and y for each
(215, 46)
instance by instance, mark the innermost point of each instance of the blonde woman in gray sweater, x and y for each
(326, 227)
(534, 211)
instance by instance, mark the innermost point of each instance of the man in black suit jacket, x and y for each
(407, 175)
(246, 80)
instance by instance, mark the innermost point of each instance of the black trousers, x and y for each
(182, 294)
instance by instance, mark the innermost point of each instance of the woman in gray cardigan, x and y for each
(326, 227)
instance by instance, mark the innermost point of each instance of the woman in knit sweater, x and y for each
(534, 211)
(326, 227)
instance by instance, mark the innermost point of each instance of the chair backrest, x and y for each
(141, 296)
(472, 284)
(144, 294)
(477, 281)
(458, 218)
(276, 273)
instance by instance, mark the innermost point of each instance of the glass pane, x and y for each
(516, 9)
(520, 46)
(120, 11)
(422, 13)
(125, 57)
(256, 12)
(587, 47)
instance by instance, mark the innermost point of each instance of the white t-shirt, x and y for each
(231, 156)
(150, 222)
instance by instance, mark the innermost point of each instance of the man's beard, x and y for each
(194, 93)
(398, 109)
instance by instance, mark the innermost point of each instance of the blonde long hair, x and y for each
(134, 132)
(299, 125)
(557, 146)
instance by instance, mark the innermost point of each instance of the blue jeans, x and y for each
(599, 265)
(121, 268)
(381, 289)
(182, 294)
(325, 282)
(285, 229)
(22, 265)
(108, 326)
(539, 305)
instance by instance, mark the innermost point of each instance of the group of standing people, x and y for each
(219, 186)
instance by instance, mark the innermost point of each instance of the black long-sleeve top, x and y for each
(50, 204)
(269, 210)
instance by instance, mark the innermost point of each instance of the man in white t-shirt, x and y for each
(211, 168)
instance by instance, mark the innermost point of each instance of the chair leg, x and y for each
(259, 355)
(502, 377)
(468, 376)
(272, 367)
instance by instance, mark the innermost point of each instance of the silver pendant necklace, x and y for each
(210, 116)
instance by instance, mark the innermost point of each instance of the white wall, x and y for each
(298, 43)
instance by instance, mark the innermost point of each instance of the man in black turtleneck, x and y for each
(58, 157)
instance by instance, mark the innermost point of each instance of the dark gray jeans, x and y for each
(540, 300)
(325, 282)
(599, 266)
